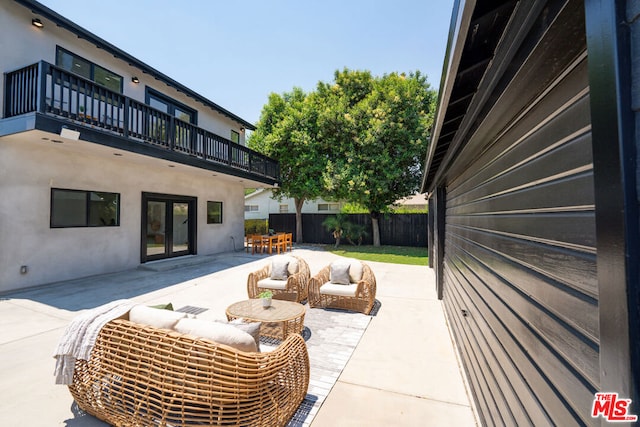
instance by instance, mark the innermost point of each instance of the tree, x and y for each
(336, 226)
(377, 129)
(287, 132)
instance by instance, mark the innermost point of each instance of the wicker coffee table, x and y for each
(279, 321)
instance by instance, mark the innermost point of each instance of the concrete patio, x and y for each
(403, 372)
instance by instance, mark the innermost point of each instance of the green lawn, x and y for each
(390, 254)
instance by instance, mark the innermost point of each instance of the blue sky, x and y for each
(237, 52)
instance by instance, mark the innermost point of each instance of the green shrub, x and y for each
(256, 226)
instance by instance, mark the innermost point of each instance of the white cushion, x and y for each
(355, 270)
(252, 328)
(156, 317)
(272, 284)
(339, 272)
(267, 348)
(339, 290)
(222, 333)
(293, 263)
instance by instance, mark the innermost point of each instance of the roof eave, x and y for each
(460, 19)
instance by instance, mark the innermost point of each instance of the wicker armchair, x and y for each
(140, 375)
(294, 288)
(360, 295)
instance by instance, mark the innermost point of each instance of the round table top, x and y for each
(278, 312)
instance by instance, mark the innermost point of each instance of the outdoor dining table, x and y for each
(269, 241)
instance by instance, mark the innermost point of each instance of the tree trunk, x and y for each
(375, 228)
(298, 203)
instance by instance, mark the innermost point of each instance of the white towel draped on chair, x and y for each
(78, 339)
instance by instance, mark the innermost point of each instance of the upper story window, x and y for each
(170, 106)
(251, 208)
(235, 137)
(87, 69)
(284, 209)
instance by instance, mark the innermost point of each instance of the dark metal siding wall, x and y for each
(519, 279)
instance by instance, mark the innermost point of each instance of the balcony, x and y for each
(127, 123)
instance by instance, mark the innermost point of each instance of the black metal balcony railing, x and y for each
(45, 88)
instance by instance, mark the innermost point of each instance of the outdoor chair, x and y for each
(288, 242)
(286, 276)
(346, 283)
(255, 241)
(143, 375)
(281, 243)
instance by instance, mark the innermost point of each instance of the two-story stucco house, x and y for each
(261, 203)
(105, 162)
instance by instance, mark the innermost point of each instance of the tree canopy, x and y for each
(359, 139)
(287, 132)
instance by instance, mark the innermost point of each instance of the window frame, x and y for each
(283, 208)
(88, 210)
(249, 208)
(235, 134)
(209, 218)
(329, 205)
(92, 68)
(171, 103)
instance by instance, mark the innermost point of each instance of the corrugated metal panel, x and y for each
(519, 254)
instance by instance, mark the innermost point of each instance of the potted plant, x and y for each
(266, 298)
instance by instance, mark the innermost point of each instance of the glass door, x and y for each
(168, 225)
(156, 228)
(180, 235)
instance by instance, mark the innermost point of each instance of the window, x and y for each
(328, 206)
(251, 208)
(76, 208)
(170, 106)
(284, 208)
(214, 212)
(235, 137)
(75, 64)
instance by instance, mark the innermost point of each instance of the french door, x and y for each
(168, 226)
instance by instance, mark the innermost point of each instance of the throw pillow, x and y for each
(339, 272)
(355, 271)
(156, 317)
(218, 332)
(279, 269)
(252, 328)
(293, 265)
(168, 306)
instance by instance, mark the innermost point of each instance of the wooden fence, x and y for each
(395, 229)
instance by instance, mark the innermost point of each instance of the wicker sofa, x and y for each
(293, 287)
(140, 375)
(357, 293)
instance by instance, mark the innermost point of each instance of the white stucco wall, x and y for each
(30, 167)
(267, 204)
(22, 44)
